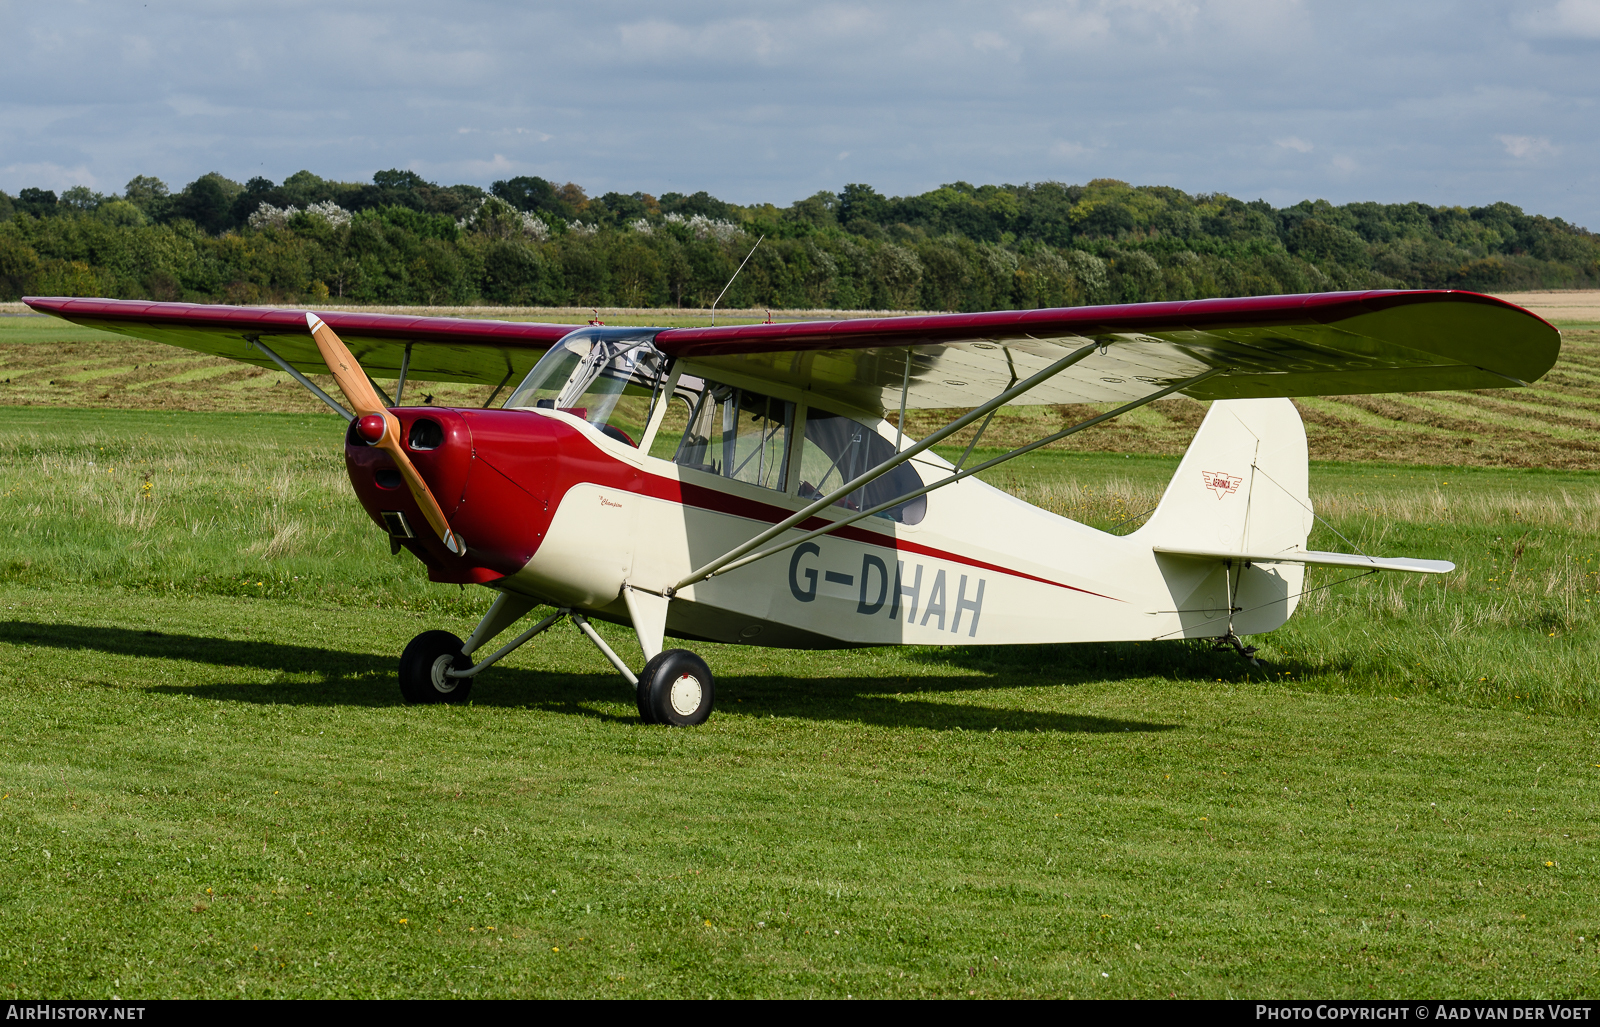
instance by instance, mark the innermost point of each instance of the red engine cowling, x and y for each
(491, 472)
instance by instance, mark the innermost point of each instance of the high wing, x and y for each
(443, 349)
(1309, 345)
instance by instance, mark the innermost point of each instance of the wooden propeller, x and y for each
(378, 427)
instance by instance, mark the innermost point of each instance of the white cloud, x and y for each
(1067, 150)
(199, 106)
(1220, 24)
(1068, 25)
(50, 176)
(737, 39)
(1528, 147)
(484, 169)
(1294, 143)
(1567, 19)
(989, 42)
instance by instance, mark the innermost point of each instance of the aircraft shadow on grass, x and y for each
(311, 676)
(1082, 663)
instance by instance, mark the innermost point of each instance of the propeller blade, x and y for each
(378, 426)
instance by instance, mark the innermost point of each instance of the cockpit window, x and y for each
(837, 449)
(607, 377)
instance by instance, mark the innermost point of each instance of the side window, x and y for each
(673, 423)
(738, 434)
(837, 449)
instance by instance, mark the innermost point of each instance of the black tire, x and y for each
(642, 692)
(676, 689)
(422, 668)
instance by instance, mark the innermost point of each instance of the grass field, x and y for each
(211, 788)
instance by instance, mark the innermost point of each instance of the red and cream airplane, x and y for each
(744, 484)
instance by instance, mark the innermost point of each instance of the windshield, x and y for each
(608, 377)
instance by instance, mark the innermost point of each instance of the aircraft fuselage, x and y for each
(553, 509)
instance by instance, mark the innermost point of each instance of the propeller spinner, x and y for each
(378, 427)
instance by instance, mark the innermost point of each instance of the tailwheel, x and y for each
(675, 689)
(423, 666)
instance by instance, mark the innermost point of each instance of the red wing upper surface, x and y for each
(1319, 344)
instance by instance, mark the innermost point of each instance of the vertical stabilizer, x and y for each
(1242, 487)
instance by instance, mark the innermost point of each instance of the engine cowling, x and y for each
(465, 457)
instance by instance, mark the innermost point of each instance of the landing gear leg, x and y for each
(437, 666)
(1230, 639)
(675, 688)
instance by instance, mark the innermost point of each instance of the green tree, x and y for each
(143, 191)
(208, 202)
(897, 273)
(41, 203)
(1315, 239)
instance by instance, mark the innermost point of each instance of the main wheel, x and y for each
(675, 689)
(422, 667)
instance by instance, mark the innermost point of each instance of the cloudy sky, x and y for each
(1443, 102)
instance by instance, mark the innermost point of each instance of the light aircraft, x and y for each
(744, 484)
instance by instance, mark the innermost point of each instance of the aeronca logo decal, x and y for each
(1222, 484)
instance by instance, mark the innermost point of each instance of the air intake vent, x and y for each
(396, 522)
(425, 434)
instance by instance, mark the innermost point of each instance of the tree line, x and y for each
(403, 240)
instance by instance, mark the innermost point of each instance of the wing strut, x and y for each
(905, 387)
(338, 407)
(509, 372)
(959, 474)
(405, 366)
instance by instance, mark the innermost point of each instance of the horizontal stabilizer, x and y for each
(1306, 556)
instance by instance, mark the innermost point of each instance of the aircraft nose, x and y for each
(439, 444)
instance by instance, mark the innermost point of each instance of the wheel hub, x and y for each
(685, 695)
(442, 681)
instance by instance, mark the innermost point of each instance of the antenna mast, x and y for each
(725, 288)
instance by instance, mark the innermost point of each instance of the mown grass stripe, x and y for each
(1541, 414)
(1450, 405)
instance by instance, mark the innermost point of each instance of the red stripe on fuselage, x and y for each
(546, 455)
(685, 493)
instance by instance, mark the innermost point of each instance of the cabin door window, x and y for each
(738, 434)
(838, 449)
